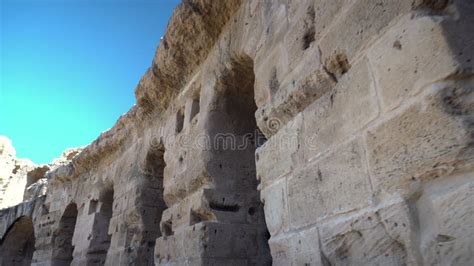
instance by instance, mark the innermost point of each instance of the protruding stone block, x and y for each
(361, 22)
(446, 215)
(340, 113)
(337, 183)
(359, 239)
(279, 155)
(410, 56)
(423, 141)
(299, 248)
(276, 207)
(209, 240)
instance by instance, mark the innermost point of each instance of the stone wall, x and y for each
(307, 132)
(13, 173)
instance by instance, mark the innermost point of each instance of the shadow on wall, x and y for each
(234, 169)
(153, 189)
(458, 32)
(18, 245)
(62, 237)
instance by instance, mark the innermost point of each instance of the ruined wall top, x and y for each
(191, 33)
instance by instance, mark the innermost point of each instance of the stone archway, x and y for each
(18, 245)
(236, 136)
(62, 238)
(154, 166)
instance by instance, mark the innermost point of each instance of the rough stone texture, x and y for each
(449, 231)
(21, 179)
(13, 173)
(275, 132)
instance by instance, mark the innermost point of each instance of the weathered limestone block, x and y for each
(185, 173)
(84, 224)
(191, 33)
(268, 75)
(446, 212)
(276, 207)
(309, 20)
(41, 256)
(246, 33)
(400, 222)
(273, 15)
(301, 35)
(279, 155)
(411, 55)
(359, 239)
(299, 248)
(299, 39)
(424, 140)
(296, 77)
(367, 106)
(336, 116)
(293, 95)
(358, 24)
(337, 183)
(13, 173)
(212, 205)
(209, 240)
(136, 246)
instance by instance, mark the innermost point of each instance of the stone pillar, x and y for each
(215, 214)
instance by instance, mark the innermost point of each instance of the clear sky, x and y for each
(69, 68)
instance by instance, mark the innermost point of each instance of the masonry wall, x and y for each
(377, 169)
(291, 133)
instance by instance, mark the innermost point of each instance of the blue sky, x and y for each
(69, 68)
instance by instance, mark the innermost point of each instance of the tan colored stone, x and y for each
(300, 248)
(359, 239)
(360, 23)
(423, 141)
(340, 113)
(337, 183)
(277, 157)
(446, 215)
(276, 207)
(404, 63)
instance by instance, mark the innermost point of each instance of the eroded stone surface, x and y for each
(12, 174)
(273, 132)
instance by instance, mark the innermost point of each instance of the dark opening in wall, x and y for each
(234, 116)
(18, 244)
(194, 109)
(167, 228)
(93, 204)
(224, 207)
(153, 189)
(179, 121)
(436, 5)
(273, 83)
(309, 28)
(155, 164)
(62, 237)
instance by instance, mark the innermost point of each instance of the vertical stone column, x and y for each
(215, 214)
(136, 224)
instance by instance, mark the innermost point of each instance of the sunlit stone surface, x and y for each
(311, 132)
